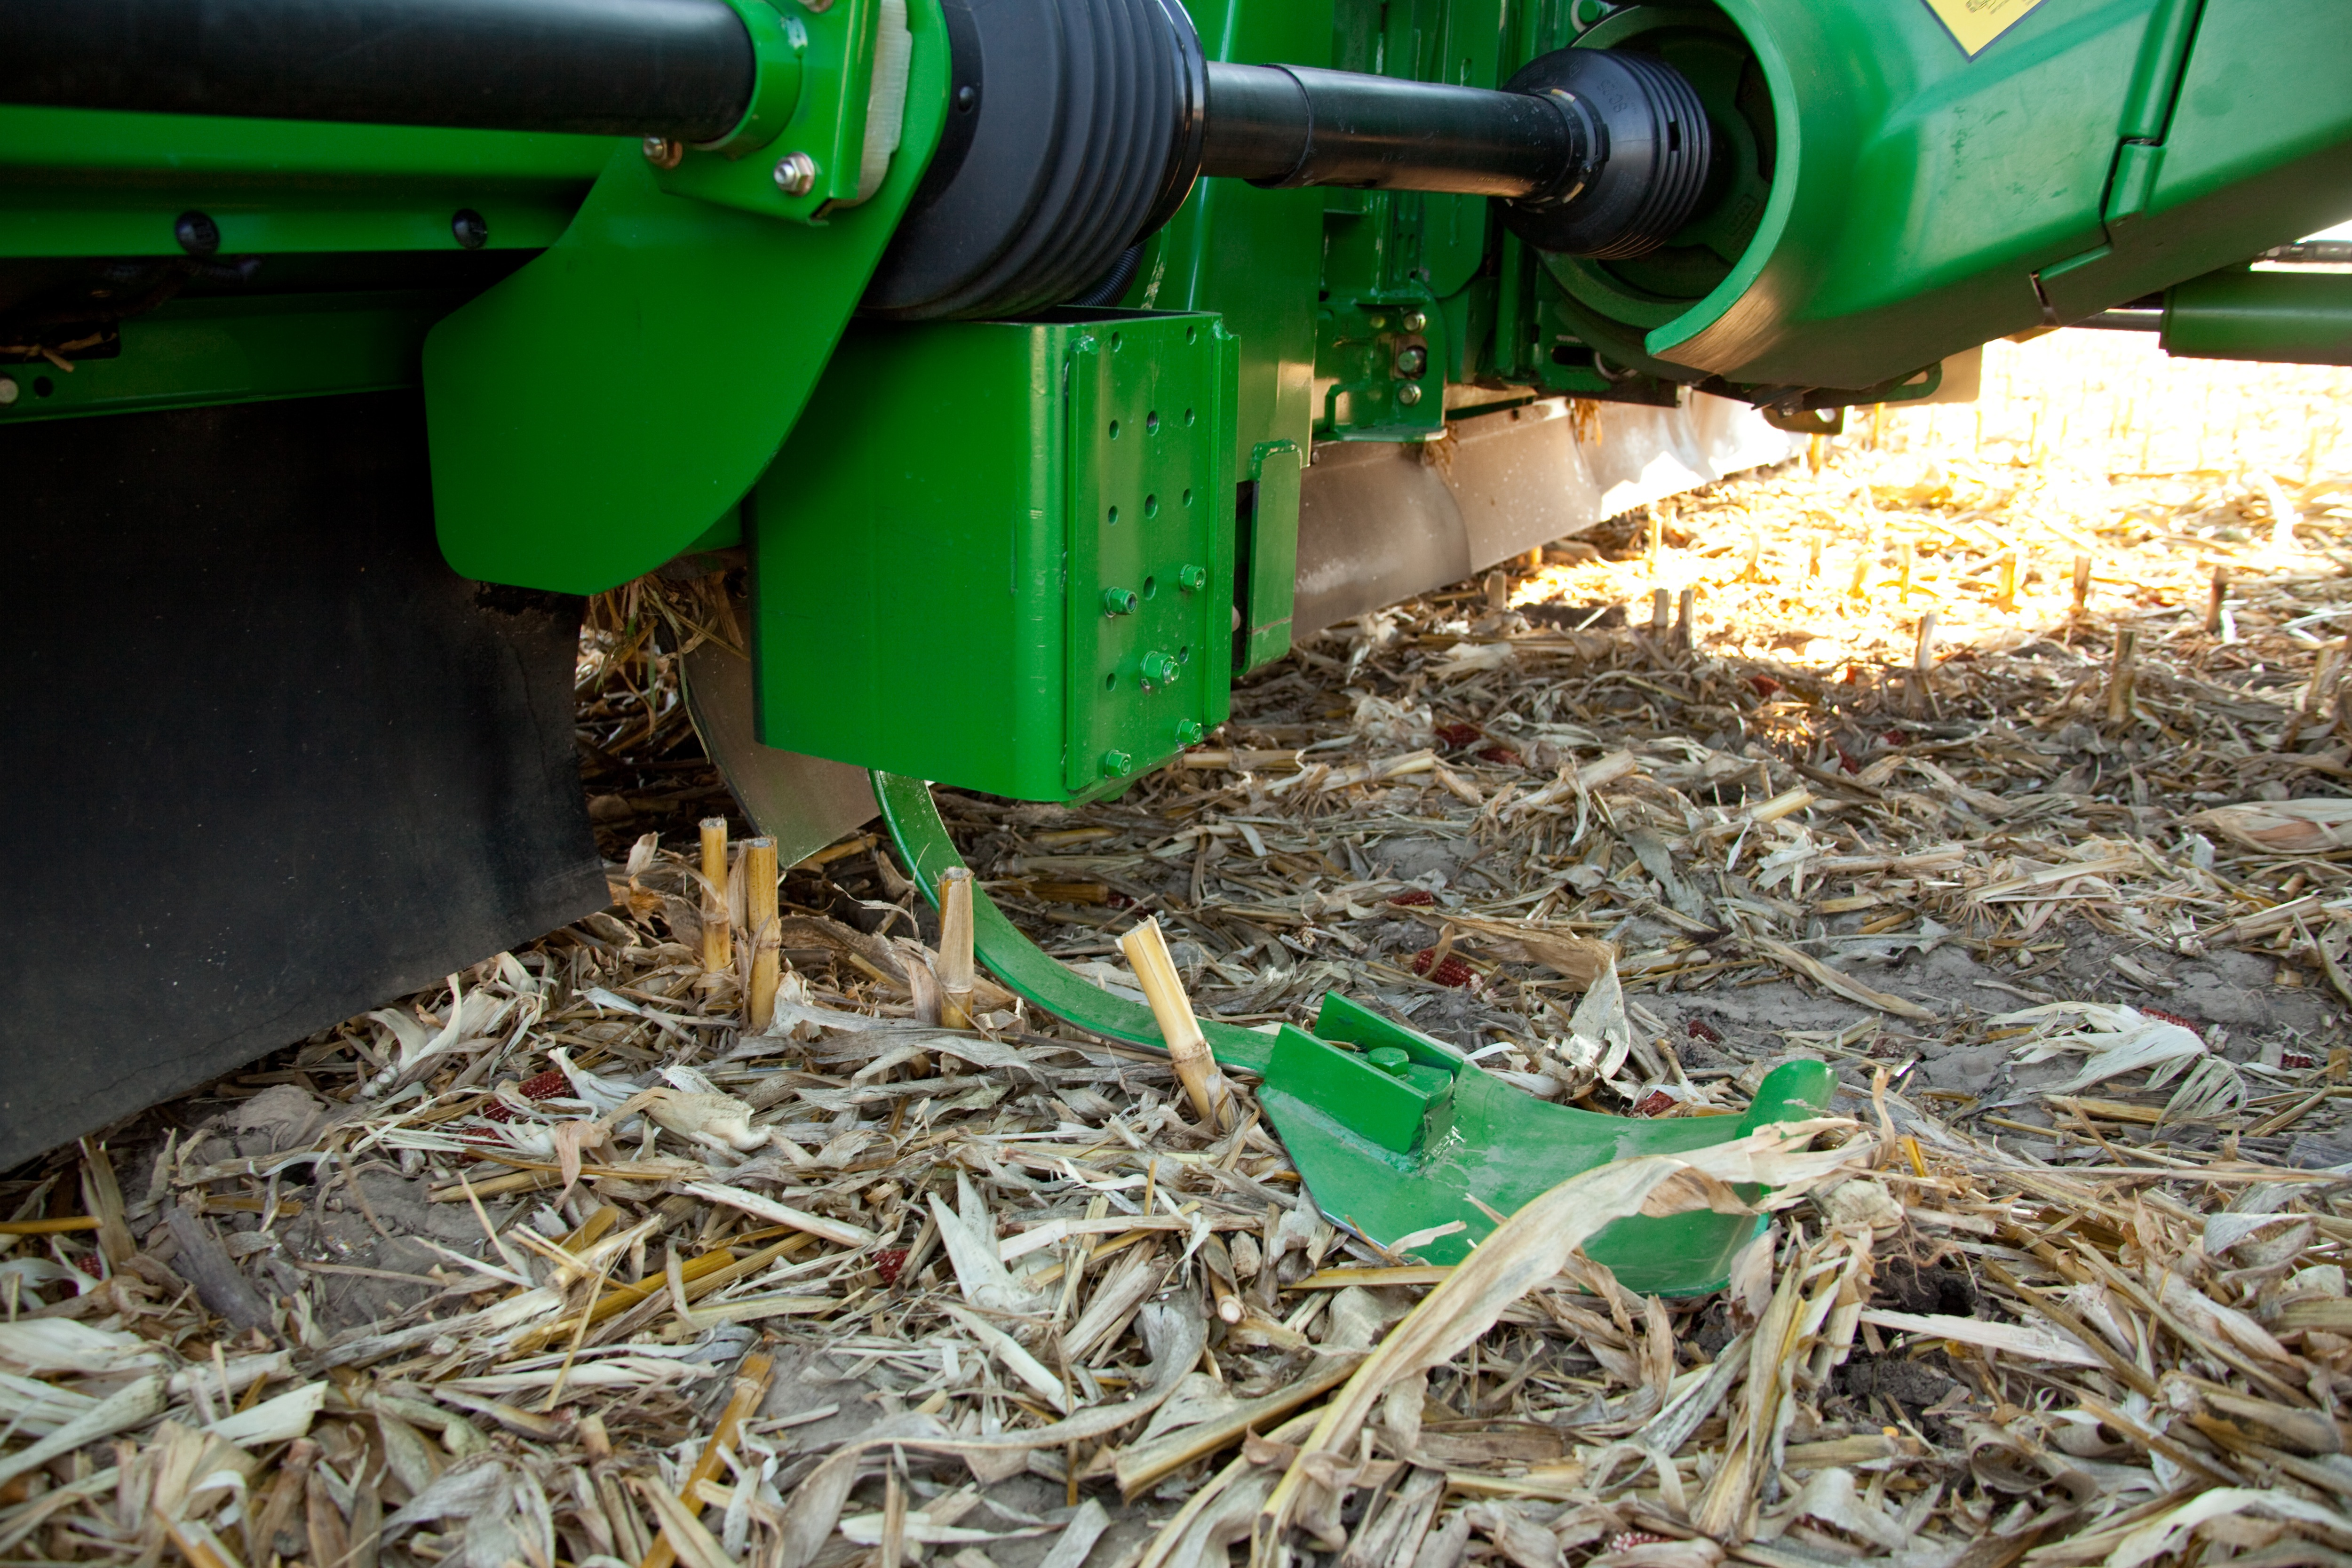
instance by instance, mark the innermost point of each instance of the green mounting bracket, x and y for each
(1397, 1135)
(1023, 530)
(1384, 358)
(831, 84)
(594, 413)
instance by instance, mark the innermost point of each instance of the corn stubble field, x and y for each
(1994, 755)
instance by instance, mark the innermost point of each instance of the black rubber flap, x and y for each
(270, 761)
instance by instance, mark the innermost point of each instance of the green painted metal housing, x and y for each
(1922, 201)
(1001, 554)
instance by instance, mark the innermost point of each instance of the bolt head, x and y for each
(1119, 601)
(1161, 669)
(664, 153)
(1411, 360)
(197, 234)
(1193, 578)
(471, 230)
(9, 391)
(1117, 763)
(1389, 1060)
(1188, 731)
(1415, 321)
(1408, 395)
(796, 174)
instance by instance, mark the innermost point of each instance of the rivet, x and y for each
(9, 390)
(796, 174)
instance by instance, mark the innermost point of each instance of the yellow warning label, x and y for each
(1975, 23)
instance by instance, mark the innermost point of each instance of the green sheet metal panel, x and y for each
(81, 182)
(597, 412)
(962, 572)
(2257, 151)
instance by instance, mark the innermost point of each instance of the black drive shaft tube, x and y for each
(1294, 125)
(678, 69)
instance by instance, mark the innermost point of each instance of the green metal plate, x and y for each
(191, 353)
(1151, 542)
(596, 412)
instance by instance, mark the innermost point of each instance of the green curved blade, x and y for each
(1426, 1141)
(1024, 968)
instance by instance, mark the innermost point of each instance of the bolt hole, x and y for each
(1114, 514)
(1184, 654)
(1114, 429)
(1151, 424)
(1191, 334)
(1110, 680)
(1113, 343)
(43, 386)
(1187, 495)
(1151, 587)
(1188, 417)
(1152, 506)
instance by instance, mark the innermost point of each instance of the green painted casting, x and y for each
(1395, 1134)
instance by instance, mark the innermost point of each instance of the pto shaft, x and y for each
(678, 69)
(1293, 125)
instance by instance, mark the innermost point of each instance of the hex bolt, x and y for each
(1117, 763)
(664, 153)
(796, 174)
(1408, 395)
(1389, 1060)
(1161, 669)
(198, 235)
(1415, 322)
(1193, 578)
(1188, 731)
(1119, 601)
(1411, 360)
(471, 230)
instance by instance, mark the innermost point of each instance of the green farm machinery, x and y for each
(1038, 367)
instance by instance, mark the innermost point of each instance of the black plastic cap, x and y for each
(1651, 148)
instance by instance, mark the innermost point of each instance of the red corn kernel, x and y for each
(548, 1085)
(1451, 970)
